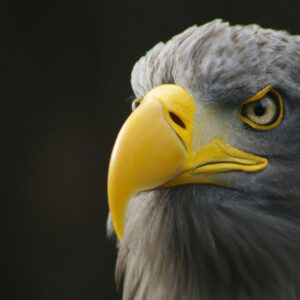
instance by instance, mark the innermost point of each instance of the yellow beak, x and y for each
(154, 148)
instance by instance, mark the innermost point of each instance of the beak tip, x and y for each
(119, 233)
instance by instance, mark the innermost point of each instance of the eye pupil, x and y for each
(259, 109)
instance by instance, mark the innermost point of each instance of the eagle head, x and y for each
(204, 177)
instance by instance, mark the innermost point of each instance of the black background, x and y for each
(66, 92)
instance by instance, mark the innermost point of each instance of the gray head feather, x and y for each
(209, 243)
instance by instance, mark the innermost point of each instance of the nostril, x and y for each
(177, 120)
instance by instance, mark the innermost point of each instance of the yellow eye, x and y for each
(264, 111)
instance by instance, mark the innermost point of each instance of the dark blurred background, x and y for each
(65, 73)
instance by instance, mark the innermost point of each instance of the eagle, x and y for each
(204, 176)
